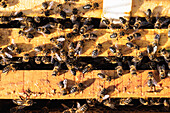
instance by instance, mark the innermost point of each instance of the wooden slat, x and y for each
(41, 81)
(103, 38)
(160, 7)
(34, 7)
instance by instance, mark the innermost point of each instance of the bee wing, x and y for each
(52, 58)
(116, 45)
(16, 12)
(106, 97)
(155, 49)
(4, 59)
(47, 25)
(77, 47)
(51, 4)
(22, 97)
(78, 105)
(28, 30)
(80, 51)
(13, 42)
(167, 20)
(58, 57)
(19, 19)
(61, 39)
(66, 107)
(65, 83)
(8, 55)
(154, 82)
(42, 34)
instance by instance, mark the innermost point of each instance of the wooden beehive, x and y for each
(43, 84)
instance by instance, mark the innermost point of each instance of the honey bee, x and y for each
(43, 30)
(104, 77)
(85, 28)
(166, 104)
(151, 82)
(9, 68)
(26, 35)
(45, 60)
(63, 87)
(109, 103)
(111, 59)
(133, 70)
(132, 45)
(161, 70)
(56, 69)
(63, 55)
(125, 23)
(55, 55)
(25, 58)
(153, 47)
(79, 48)
(13, 48)
(138, 58)
(102, 95)
(160, 22)
(87, 68)
(47, 8)
(69, 35)
(125, 101)
(139, 23)
(60, 9)
(81, 109)
(23, 102)
(148, 15)
(71, 50)
(91, 6)
(116, 51)
(75, 29)
(166, 56)
(119, 70)
(5, 20)
(89, 36)
(72, 68)
(38, 60)
(118, 35)
(155, 101)
(5, 61)
(143, 101)
(133, 36)
(108, 23)
(74, 15)
(97, 50)
(91, 102)
(77, 88)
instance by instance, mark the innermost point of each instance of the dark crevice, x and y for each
(98, 63)
(95, 21)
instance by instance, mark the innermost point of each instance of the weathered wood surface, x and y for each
(40, 81)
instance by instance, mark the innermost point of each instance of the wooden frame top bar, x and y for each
(43, 85)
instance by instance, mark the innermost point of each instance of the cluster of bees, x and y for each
(102, 98)
(69, 56)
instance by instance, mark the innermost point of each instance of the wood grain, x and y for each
(43, 84)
